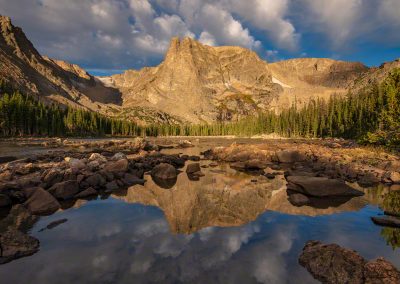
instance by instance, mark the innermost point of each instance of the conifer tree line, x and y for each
(372, 115)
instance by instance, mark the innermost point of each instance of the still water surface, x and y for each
(228, 227)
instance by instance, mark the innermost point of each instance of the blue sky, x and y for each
(109, 36)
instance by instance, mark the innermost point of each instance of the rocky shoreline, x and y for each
(40, 185)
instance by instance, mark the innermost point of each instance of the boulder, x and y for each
(387, 221)
(52, 176)
(298, 199)
(320, 186)
(117, 166)
(65, 190)
(75, 163)
(192, 168)
(96, 180)
(4, 200)
(87, 192)
(330, 263)
(164, 171)
(112, 185)
(289, 156)
(40, 202)
(15, 244)
(256, 164)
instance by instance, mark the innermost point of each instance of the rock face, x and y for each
(334, 264)
(320, 186)
(24, 68)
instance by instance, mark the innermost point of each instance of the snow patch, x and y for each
(276, 81)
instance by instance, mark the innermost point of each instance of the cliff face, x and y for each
(25, 69)
(202, 83)
(198, 82)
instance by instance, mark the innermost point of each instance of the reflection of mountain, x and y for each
(223, 198)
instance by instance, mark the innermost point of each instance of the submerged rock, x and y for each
(330, 263)
(321, 186)
(15, 244)
(54, 224)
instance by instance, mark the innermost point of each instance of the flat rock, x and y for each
(388, 221)
(15, 244)
(41, 202)
(380, 271)
(321, 186)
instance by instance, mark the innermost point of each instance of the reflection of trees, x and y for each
(391, 202)
(392, 236)
(391, 205)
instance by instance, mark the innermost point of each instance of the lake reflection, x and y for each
(220, 229)
(228, 227)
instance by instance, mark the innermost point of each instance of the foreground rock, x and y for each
(40, 202)
(15, 244)
(320, 186)
(65, 190)
(330, 263)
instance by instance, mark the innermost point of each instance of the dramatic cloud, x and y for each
(121, 34)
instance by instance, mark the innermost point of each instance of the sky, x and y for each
(109, 36)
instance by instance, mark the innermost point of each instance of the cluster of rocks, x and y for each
(331, 160)
(330, 263)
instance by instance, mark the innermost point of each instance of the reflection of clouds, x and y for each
(270, 266)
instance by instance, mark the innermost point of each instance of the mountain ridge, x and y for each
(195, 83)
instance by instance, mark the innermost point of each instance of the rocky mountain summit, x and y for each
(195, 83)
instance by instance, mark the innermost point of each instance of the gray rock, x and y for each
(130, 179)
(40, 202)
(65, 190)
(321, 186)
